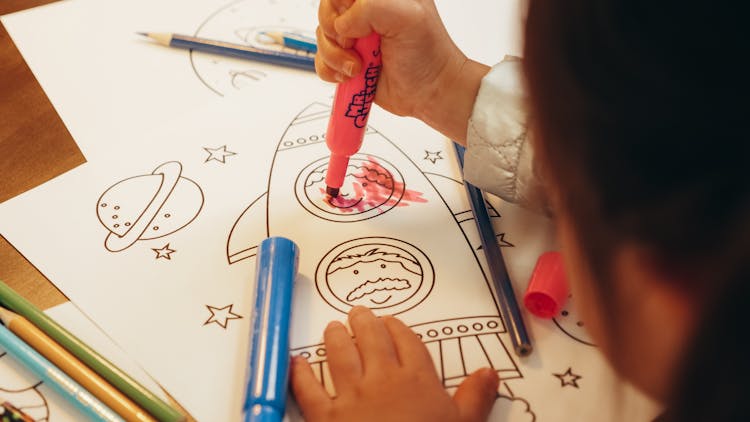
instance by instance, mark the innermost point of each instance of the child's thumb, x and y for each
(476, 395)
(356, 21)
(385, 17)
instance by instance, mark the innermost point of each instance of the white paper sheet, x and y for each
(156, 245)
(153, 237)
(31, 395)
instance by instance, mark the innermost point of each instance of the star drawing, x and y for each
(500, 241)
(219, 154)
(221, 316)
(433, 156)
(568, 378)
(164, 252)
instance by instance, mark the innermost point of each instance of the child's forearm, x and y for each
(453, 99)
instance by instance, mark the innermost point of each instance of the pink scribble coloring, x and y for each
(373, 187)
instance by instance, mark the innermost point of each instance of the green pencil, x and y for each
(114, 375)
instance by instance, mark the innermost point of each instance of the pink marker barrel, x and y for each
(351, 109)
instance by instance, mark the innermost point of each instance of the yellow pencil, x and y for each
(81, 373)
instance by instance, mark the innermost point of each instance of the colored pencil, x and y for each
(56, 379)
(299, 61)
(295, 41)
(82, 374)
(506, 297)
(114, 375)
(11, 413)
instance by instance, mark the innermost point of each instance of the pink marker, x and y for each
(351, 108)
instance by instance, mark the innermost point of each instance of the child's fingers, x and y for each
(339, 60)
(328, 11)
(411, 351)
(355, 22)
(343, 357)
(326, 73)
(373, 340)
(476, 395)
(342, 6)
(310, 394)
(386, 17)
(326, 16)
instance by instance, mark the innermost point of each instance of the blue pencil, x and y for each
(51, 375)
(295, 41)
(505, 294)
(298, 61)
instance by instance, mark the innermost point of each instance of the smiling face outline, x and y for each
(571, 324)
(386, 275)
(370, 188)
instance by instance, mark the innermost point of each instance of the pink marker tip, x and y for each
(332, 192)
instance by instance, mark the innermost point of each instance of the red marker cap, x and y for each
(548, 287)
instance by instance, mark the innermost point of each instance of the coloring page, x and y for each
(194, 158)
(156, 244)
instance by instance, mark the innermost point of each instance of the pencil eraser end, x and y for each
(261, 413)
(548, 287)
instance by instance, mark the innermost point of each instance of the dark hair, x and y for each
(642, 116)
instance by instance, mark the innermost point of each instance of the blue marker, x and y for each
(268, 375)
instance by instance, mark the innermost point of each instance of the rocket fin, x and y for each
(454, 194)
(248, 231)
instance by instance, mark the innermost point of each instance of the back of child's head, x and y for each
(641, 112)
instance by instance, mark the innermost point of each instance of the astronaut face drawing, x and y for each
(371, 187)
(383, 274)
(569, 321)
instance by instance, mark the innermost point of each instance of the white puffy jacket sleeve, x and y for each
(498, 158)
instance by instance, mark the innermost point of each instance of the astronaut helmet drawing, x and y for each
(386, 275)
(371, 187)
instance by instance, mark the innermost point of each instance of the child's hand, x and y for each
(387, 375)
(424, 74)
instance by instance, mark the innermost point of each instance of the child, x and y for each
(636, 144)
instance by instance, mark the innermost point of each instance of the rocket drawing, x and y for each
(397, 240)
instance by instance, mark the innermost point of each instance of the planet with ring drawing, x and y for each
(148, 206)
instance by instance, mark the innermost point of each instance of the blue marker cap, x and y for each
(268, 374)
